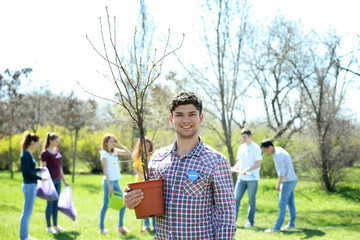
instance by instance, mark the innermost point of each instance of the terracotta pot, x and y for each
(152, 204)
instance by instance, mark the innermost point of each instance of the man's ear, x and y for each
(201, 117)
(171, 119)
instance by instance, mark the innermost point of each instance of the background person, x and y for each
(51, 158)
(286, 184)
(111, 168)
(248, 165)
(136, 155)
(198, 190)
(29, 144)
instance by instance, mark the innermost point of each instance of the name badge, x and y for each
(192, 175)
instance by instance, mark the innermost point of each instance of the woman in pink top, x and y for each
(51, 158)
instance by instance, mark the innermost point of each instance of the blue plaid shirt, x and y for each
(198, 194)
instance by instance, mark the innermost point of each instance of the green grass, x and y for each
(328, 216)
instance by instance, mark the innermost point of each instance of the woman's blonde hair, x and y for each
(105, 140)
(136, 154)
(49, 136)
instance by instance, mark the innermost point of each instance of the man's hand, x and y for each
(278, 188)
(132, 198)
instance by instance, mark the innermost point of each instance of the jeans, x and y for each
(116, 187)
(29, 190)
(240, 189)
(286, 197)
(52, 206)
(147, 222)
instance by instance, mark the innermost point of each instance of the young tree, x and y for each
(134, 77)
(11, 107)
(269, 64)
(75, 114)
(319, 70)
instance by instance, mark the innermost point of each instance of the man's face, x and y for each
(269, 150)
(246, 138)
(186, 120)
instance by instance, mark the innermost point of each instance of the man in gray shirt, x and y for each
(286, 184)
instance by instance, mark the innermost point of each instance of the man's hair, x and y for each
(184, 98)
(266, 144)
(246, 131)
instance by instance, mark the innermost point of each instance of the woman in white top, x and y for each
(110, 164)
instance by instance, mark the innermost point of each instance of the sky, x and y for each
(50, 36)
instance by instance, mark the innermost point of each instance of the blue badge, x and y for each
(192, 175)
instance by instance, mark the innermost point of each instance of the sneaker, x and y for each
(51, 230)
(59, 229)
(288, 227)
(122, 230)
(104, 232)
(248, 225)
(146, 229)
(29, 238)
(272, 230)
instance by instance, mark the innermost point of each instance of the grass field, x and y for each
(327, 216)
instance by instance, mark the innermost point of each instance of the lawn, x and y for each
(327, 216)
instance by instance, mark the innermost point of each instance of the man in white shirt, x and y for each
(286, 184)
(248, 166)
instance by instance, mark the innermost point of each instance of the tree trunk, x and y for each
(10, 157)
(231, 157)
(143, 152)
(74, 154)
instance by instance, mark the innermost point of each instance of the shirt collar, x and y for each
(196, 150)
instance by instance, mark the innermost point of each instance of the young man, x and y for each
(286, 184)
(198, 191)
(248, 166)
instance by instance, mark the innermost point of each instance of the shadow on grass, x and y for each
(7, 208)
(129, 236)
(334, 218)
(66, 235)
(348, 192)
(92, 188)
(309, 233)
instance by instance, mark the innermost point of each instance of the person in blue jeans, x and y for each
(248, 166)
(111, 168)
(51, 158)
(286, 184)
(29, 144)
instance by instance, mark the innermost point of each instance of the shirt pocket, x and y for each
(197, 188)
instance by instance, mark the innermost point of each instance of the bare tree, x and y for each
(225, 27)
(75, 114)
(134, 77)
(12, 108)
(320, 74)
(270, 66)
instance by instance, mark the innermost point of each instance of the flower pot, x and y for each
(152, 204)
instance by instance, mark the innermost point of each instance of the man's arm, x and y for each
(280, 178)
(224, 201)
(255, 166)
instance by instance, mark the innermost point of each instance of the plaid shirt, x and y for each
(198, 194)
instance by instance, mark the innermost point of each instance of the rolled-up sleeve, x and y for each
(280, 165)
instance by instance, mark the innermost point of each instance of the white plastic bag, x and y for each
(66, 204)
(46, 190)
